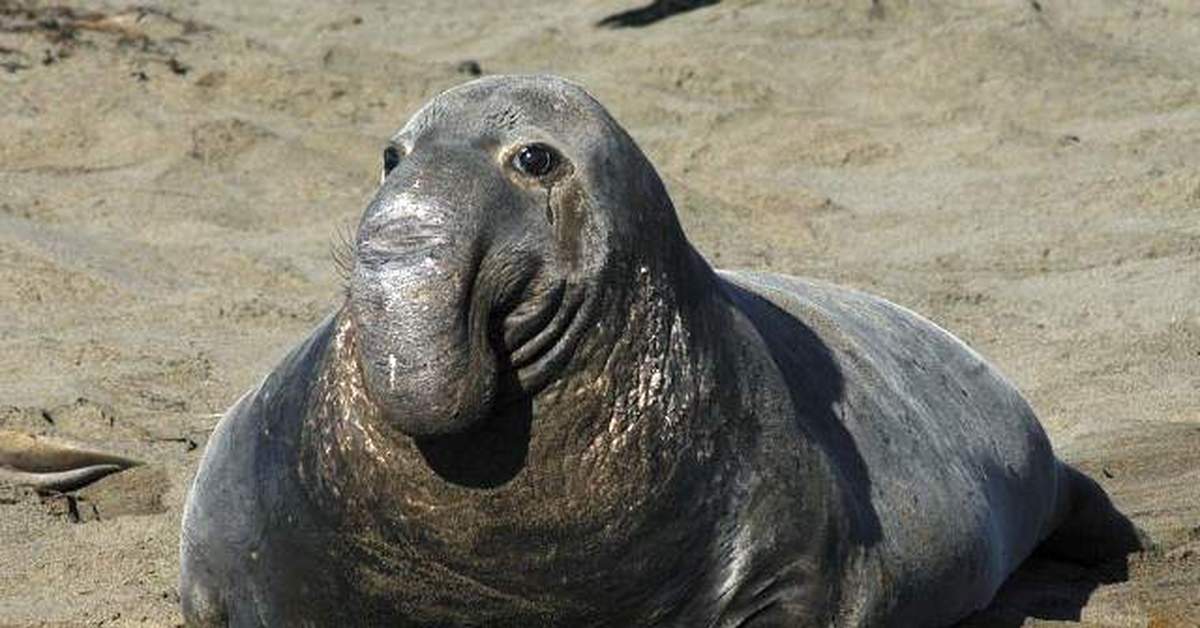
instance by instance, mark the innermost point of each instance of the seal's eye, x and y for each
(535, 160)
(391, 159)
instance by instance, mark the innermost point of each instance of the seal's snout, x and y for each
(422, 337)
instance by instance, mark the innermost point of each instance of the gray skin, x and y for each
(538, 405)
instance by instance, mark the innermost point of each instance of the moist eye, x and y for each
(391, 159)
(535, 160)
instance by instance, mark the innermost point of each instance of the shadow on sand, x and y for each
(1046, 588)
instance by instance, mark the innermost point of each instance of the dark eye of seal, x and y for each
(535, 160)
(391, 158)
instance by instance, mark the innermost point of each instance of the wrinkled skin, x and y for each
(539, 405)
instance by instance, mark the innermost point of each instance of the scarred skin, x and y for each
(538, 405)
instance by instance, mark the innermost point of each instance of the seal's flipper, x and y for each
(202, 604)
(49, 464)
(1092, 531)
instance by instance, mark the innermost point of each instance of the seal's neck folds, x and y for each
(624, 449)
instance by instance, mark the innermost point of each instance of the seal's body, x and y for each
(539, 406)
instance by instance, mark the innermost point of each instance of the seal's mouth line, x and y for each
(519, 329)
(564, 314)
(568, 329)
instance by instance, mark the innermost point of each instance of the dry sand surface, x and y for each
(173, 179)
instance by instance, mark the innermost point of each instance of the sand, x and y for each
(173, 180)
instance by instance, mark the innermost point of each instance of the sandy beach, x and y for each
(174, 178)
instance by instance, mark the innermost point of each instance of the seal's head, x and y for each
(510, 210)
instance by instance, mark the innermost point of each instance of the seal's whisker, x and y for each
(341, 251)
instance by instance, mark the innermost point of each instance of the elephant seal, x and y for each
(539, 406)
